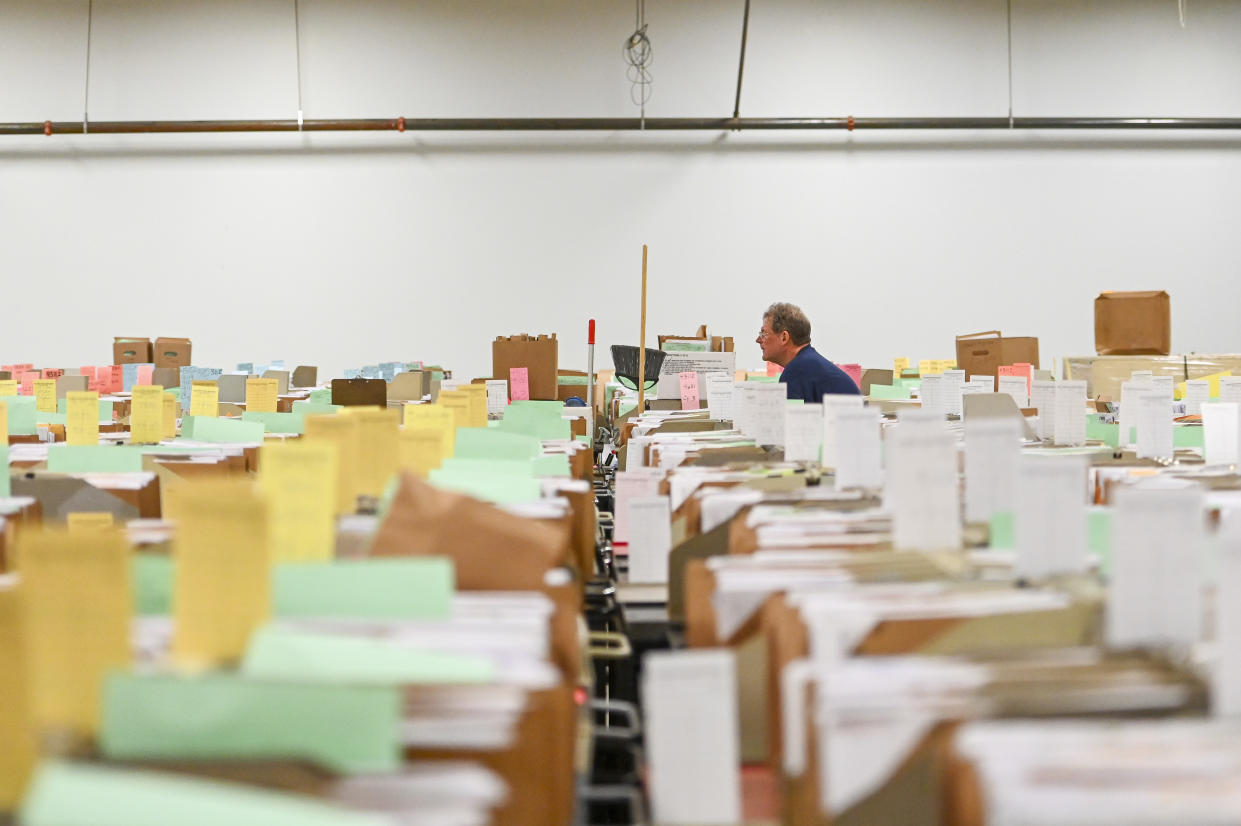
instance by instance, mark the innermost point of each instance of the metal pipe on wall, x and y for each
(117, 127)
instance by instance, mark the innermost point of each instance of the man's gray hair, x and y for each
(789, 318)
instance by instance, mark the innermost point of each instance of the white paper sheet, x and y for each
(1154, 425)
(1049, 523)
(1043, 396)
(631, 484)
(1221, 425)
(922, 490)
(833, 403)
(992, 449)
(650, 538)
(1230, 389)
(803, 432)
(1226, 681)
(1197, 392)
(692, 739)
(720, 395)
(1155, 588)
(1070, 405)
(858, 450)
(762, 405)
(1016, 387)
(954, 380)
(933, 395)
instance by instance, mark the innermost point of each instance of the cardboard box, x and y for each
(131, 351)
(538, 354)
(172, 352)
(565, 391)
(982, 354)
(166, 377)
(1133, 324)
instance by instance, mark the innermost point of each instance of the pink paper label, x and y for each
(27, 382)
(854, 371)
(519, 383)
(53, 373)
(116, 378)
(689, 390)
(90, 374)
(1019, 369)
(144, 373)
(774, 369)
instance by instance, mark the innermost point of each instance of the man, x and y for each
(785, 340)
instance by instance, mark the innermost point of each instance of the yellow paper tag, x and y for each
(8, 387)
(477, 411)
(261, 395)
(300, 480)
(45, 395)
(170, 416)
(17, 757)
(222, 587)
(205, 398)
(146, 414)
(899, 366)
(82, 417)
(424, 447)
(1212, 390)
(432, 415)
(341, 431)
(458, 403)
(90, 520)
(926, 367)
(377, 447)
(76, 607)
(4, 424)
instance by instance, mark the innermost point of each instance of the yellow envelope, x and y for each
(146, 414)
(424, 447)
(459, 404)
(45, 395)
(343, 432)
(170, 416)
(82, 417)
(477, 411)
(205, 398)
(378, 437)
(222, 586)
(76, 607)
(261, 395)
(17, 757)
(299, 479)
(90, 521)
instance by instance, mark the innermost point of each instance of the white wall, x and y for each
(344, 249)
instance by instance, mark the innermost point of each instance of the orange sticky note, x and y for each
(146, 414)
(76, 607)
(222, 585)
(261, 395)
(82, 417)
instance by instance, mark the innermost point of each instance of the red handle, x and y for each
(590, 339)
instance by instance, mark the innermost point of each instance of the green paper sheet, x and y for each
(151, 578)
(540, 419)
(85, 794)
(1109, 434)
(1099, 537)
(553, 464)
(51, 418)
(887, 391)
(348, 729)
(573, 381)
(313, 408)
(494, 467)
(277, 422)
(420, 588)
(485, 443)
(287, 654)
(62, 458)
(22, 417)
(219, 430)
(1188, 435)
(1002, 531)
(765, 379)
(497, 488)
(322, 395)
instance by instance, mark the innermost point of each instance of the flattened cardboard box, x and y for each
(538, 354)
(1133, 323)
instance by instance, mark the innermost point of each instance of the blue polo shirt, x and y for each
(809, 376)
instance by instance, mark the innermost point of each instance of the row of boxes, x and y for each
(165, 352)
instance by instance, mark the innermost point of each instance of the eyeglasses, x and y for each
(763, 335)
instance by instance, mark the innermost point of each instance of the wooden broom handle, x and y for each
(642, 342)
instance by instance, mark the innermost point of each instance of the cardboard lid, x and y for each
(1132, 294)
